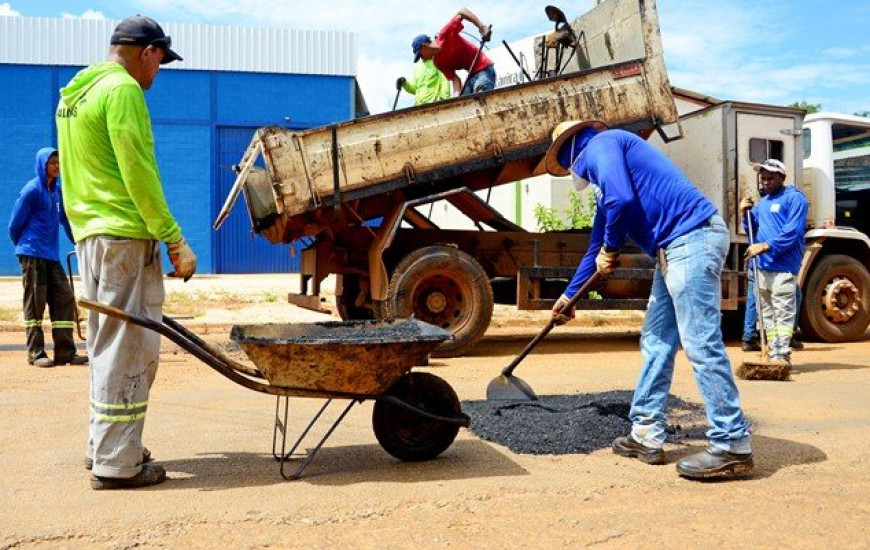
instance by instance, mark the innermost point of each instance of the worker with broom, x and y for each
(778, 223)
(641, 195)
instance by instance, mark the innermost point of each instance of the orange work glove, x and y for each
(183, 259)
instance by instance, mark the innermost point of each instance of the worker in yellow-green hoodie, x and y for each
(116, 208)
(428, 85)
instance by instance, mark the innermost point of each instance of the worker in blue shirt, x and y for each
(33, 228)
(778, 221)
(751, 337)
(642, 196)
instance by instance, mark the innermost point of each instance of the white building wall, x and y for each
(79, 42)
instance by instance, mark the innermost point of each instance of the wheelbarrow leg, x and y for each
(282, 427)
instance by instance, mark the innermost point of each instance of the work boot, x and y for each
(74, 360)
(751, 345)
(627, 446)
(42, 362)
(146, 458)
(796, 342)
(782, 360)
(713, 463)
(151, 474)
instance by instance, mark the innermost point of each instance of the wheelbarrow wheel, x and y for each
(409, 436)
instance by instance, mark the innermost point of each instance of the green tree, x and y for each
(865, 114)
(807, 106)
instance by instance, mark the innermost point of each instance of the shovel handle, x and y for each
(590, 282)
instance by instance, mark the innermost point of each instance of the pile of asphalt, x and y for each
(571, 424)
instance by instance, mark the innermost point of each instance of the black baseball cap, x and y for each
(144, 31)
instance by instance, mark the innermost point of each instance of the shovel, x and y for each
(508, 387)
(483, 40)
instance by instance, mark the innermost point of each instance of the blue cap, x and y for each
(418, 43)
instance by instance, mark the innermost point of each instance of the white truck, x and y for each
(721, 143)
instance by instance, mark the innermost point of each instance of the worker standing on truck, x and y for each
(428, 83)
(115, 204)
(33, 227)
(451, 52)
(641, 195)
(778, 222)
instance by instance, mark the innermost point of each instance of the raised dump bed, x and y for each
(473, 141)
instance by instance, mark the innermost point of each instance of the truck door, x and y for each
(760, 137)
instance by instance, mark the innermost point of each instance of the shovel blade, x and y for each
(509, 388)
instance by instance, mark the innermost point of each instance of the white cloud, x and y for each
(840, 52)
(384, 28)
(740, 49)
(87, 14)
(6, 9)
(734, 50)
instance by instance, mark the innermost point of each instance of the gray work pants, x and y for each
(126, 274)
(778, 309)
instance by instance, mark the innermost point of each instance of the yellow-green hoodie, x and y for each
(111, 185)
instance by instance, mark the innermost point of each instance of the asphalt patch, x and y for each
(572, 424)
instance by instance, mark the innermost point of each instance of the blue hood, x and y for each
(42, 157)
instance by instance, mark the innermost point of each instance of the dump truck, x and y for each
(355, 195)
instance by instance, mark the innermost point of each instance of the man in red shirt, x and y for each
(451, 52)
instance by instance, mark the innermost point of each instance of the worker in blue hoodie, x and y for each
(33, 228)
(641, 195)
(779, 221)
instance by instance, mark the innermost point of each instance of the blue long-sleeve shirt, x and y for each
(780, 220)
(38, 213)
(640, 194)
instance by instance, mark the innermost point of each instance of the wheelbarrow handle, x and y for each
(188, 341)
(111, 311)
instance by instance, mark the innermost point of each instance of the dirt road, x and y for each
(811, 488)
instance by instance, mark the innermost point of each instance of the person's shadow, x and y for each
(770, 455)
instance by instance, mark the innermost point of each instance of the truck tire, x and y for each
(445, 287)
(346, 301)
(836, 304)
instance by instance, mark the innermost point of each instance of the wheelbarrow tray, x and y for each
(358, 357)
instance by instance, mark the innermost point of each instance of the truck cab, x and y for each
(836, 166)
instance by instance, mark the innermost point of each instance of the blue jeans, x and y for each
(750, 319)
(480, 81)
(685, 307)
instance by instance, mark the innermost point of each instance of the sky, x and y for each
(769, 51)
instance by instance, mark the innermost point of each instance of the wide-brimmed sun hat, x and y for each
(562, 133)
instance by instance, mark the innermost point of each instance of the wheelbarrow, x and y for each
(416, 415)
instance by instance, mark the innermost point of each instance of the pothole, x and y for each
(571, 424)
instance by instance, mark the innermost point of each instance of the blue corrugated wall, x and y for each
(200, 118)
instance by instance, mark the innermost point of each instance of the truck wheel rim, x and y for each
(442, 300)
(840, 300)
